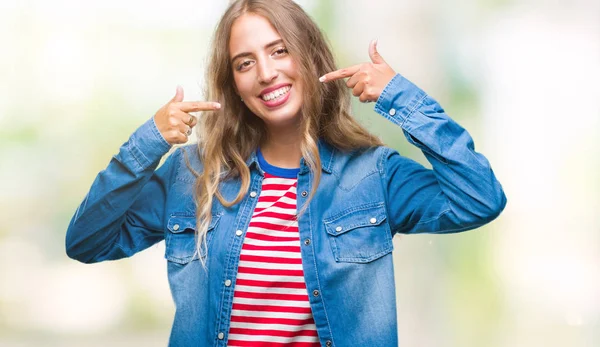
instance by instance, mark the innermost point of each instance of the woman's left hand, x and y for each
(367, 80)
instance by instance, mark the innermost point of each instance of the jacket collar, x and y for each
(326, 152)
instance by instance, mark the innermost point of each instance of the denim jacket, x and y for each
(363, 199)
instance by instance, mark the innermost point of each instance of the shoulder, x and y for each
(371, 158)
(354, 166)
(358, 164)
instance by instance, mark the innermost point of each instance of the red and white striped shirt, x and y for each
(270, 302)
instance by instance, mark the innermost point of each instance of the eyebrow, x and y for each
(245, 54)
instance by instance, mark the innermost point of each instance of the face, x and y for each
(265, 75)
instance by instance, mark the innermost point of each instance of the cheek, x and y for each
(243, 84)
(292, 69)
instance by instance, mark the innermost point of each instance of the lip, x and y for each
(277, 103)
(273, 88)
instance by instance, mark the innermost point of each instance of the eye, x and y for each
(281, 51)
(244, 64)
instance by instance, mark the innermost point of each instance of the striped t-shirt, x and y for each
(270, 301)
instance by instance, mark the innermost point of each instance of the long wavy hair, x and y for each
(228, 136)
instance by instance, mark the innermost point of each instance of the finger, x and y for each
(194, 122)
(188, 131)
(190, 120)
(182, 138)
(341, 73)
(358, 89)
(193, 106)
(364, 97)
(361, 75)
(178, 94)
(179, 117)
(374, 54)
(183, 128)
(175, 137)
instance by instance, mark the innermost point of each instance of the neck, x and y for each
(282, 148)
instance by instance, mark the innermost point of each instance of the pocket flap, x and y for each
(357, 217)
(179, 223)
(181, 238)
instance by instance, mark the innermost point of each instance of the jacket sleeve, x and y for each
(123, 212)
(460, 193)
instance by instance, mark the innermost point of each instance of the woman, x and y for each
(249, 261)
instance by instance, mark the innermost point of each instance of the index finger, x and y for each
(193, 106)
(341, 73)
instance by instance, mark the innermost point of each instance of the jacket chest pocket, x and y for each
(360, 234)
(180, 241)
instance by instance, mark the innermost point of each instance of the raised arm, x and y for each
(123, 213)
(461, 192)
(124, 210)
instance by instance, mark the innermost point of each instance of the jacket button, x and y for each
(373, 220)
(239, 232)
(227, 283)
(253, 194)
(338, 229)
(176, 227)
(307, 241)
(392, 112)
(328, 343)
(304, 194)
(221, 336)
(315, 292)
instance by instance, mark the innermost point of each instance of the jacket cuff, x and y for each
(399, 99)
(146, 145)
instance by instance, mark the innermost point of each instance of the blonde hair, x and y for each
(228, 136)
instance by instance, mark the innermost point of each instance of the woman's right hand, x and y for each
(174, 121)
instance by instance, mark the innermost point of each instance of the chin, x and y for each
(281, 119)
(285, 116)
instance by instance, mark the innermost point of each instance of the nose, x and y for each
(266, 71)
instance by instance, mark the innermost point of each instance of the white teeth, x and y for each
(276, 94)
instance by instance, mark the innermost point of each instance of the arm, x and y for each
(460, 193)
(123, 212)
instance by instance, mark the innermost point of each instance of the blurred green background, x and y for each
(77, 78)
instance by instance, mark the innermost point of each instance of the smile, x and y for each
(277, 94)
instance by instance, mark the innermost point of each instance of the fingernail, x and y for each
(322, 79)
(217, 105)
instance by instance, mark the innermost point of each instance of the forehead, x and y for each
(250, 33)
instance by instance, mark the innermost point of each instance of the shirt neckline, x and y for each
(275, 170)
